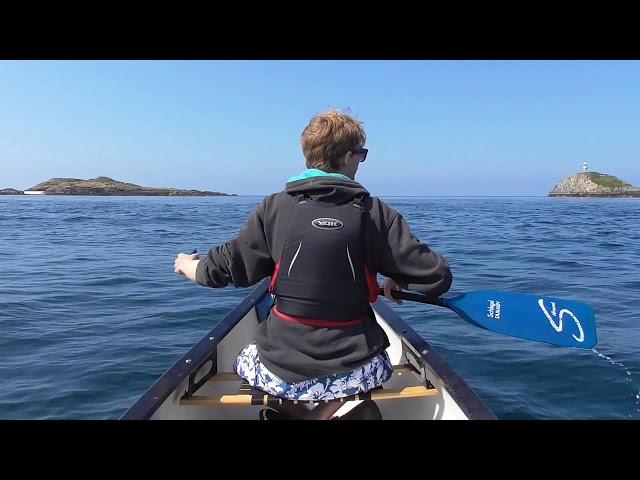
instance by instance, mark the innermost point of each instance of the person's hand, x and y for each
(388, 285)
(186, 264)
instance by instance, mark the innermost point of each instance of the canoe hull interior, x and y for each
(206, 371)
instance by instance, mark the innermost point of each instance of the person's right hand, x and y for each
(186, 264)
(388, 285)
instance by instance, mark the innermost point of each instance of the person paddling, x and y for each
(322, 240)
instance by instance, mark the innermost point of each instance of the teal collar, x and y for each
(314, 172)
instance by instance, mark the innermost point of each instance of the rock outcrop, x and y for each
(594, 184)
(107, 186)
(11, 191)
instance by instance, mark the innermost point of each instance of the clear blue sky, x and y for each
(434, 127)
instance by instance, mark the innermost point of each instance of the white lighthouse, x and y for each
(585, 167)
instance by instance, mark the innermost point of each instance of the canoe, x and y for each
(202, 386)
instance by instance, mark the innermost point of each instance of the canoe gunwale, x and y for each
(191, 362)
(468, 401)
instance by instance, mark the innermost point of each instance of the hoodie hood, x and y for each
(327, 189)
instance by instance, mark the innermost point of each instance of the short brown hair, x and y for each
(328, 137)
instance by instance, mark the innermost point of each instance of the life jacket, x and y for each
(322, 278)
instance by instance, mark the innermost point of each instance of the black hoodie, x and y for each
(297, 352)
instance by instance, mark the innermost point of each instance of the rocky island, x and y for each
(105, 186)
(594, 184)
(11, 191)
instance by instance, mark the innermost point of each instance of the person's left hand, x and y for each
(186, 264)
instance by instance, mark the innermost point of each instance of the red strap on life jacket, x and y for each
(316, 322)
(372, 284)
(274, 276)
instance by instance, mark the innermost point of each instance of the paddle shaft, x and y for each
(415, 297)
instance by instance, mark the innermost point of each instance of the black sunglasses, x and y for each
(358, 151)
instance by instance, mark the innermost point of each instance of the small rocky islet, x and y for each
(594, 184)
(11, 191)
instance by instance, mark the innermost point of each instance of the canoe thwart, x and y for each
(233, 377)
(261, 398)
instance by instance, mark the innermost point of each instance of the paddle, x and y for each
(532, 317)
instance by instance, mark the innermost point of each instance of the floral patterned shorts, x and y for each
(367, 377)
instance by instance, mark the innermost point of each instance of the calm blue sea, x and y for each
(91, 312)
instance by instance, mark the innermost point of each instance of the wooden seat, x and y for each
(250, 396)
(260, 398)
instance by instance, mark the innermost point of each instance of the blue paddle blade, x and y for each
(531, 317)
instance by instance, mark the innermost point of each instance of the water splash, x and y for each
(627, 371)
(602, 355)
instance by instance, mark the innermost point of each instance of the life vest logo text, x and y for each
(327, 224)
